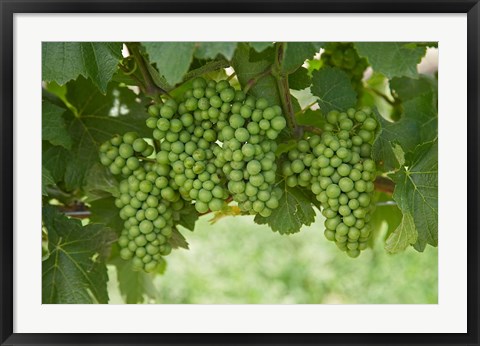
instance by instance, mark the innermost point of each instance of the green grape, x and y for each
(216, 143)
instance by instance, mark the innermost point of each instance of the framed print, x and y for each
(269, 172)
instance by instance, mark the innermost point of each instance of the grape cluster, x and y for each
(214, 145)
(147, 205)
(220, 143)
(248, 154)
(121, 153)
(345, 57)
(188, 142)
(338, 168)
(147, 201)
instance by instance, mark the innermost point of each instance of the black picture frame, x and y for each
(10, 7)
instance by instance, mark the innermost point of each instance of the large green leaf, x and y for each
(53, 125)
(419, 98)
(295, 54)
(416, 192)
(300, 79)
(405, 133)
(104, 211)
(74, 273)
(246, 70)
(178, 240)
(311, 118)
(135, 285)
(47, 180)
(260, 46)
(54, 159)
(100, 183)
(408, 88)
(295, 210)
(210, 50)
(188, 216)
(393, 59)
(419, 122)
(403, 236)
(423, 111)
(173, 59)
(64, 61)
(99, 117)
(333, 88)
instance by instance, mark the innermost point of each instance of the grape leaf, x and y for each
(260, 46)
(421, 93)
(416, 192)
(135, 285)
(408, 88)
(64, 61)
(403, 236)
(423, 111)
(265, 87)
(188, 217)
(54, 159)
(53, 125)
(173, 59)
(419, 124)
(74, 273)
(399, 154)
(99, 117)
(299, 79)
(157, 78)
(47, 180)
(405, 133)
(104, 211)
(178, 240)
(311, 118)
(295, 54)
(267, 54)
(333, 88)
(294, 210)
(99, 183)
(210, 50)
(393, 59)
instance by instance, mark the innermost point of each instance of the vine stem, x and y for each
(84, 212)
(383, 184)
(306, 108)
(383, 96)
(312, 129)
(150, 88)
(284, 91)
(156, 144)
(229, 78)
(255, 79)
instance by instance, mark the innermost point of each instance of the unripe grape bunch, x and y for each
(338, 168)
(216, 144)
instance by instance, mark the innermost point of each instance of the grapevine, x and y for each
(217, 144)
(337, 137)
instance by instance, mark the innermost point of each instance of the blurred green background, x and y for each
(236, 261)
